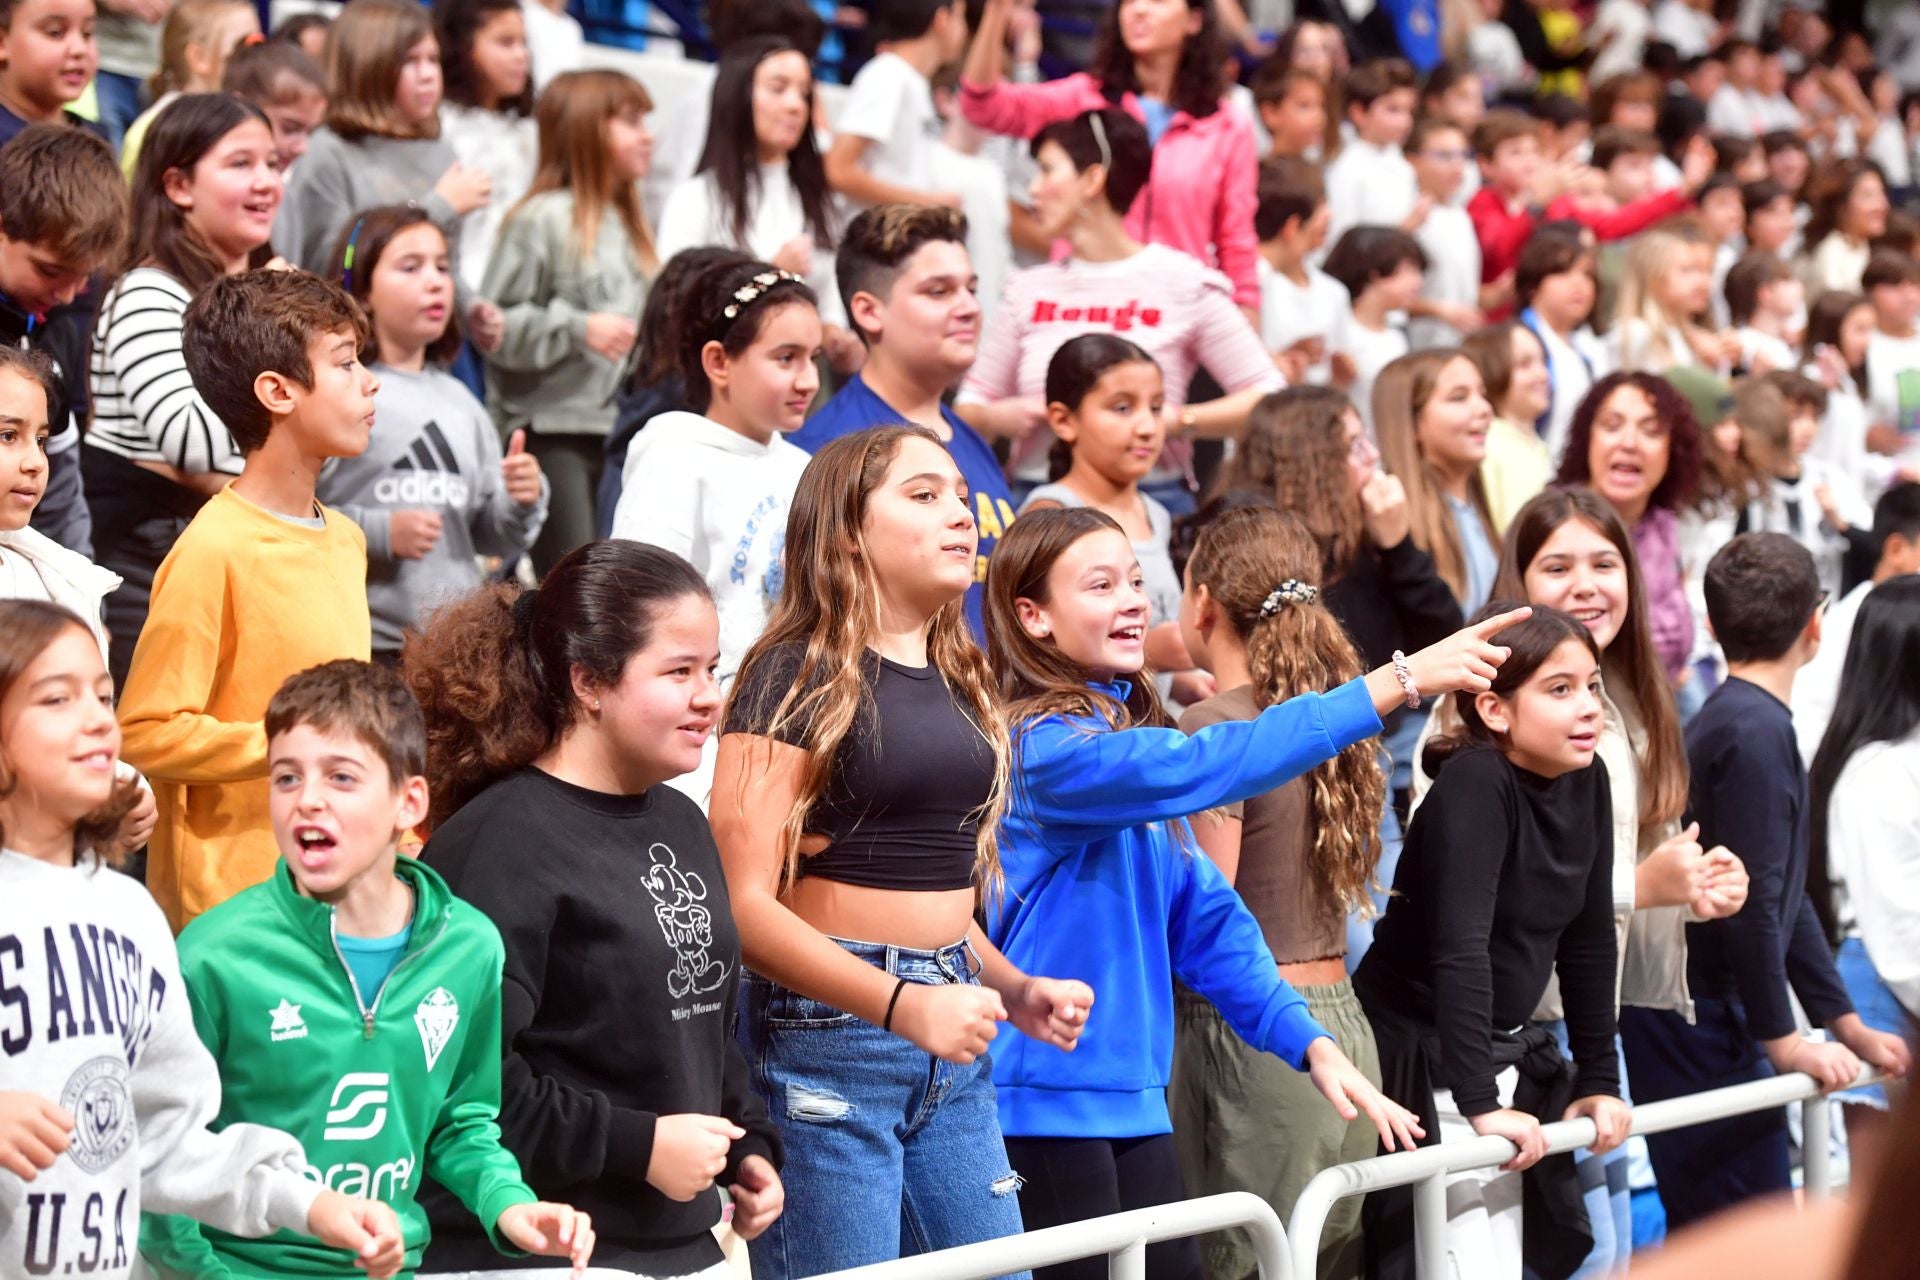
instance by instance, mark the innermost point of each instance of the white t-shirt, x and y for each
(1619, 30)
(1753, 343)
(891, 105)
(1372, 350)
(1289, 312)
(1453, 273)
(1573, 366)
(1368, 185)
(555, 43)
(1893, 382)
(1689, 31)
(697, 215)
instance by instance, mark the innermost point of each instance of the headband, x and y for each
(1292, 591)
(346, 255)
(1100, 140)
(748, 293)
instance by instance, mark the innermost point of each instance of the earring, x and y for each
(596, 704)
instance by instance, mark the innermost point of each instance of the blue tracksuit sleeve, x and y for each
(1219, 952)
(1070, 776)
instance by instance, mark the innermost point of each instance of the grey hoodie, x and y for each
(433, 449)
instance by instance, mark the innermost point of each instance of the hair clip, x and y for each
(1100, 140)
(1292, 591)
(346, 255)
(747, 293)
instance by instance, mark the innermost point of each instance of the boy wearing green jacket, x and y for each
(352, 1000)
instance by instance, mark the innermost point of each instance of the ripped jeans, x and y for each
(890, 1151)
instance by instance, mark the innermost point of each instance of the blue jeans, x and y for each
(121, 99)
(1874, 1001)
(890, 1151)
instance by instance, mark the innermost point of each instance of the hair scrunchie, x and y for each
(1292, 591)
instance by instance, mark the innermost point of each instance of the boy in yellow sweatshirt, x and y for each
(263, 583)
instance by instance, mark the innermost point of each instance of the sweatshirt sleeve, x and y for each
(1074, 775)
(376, 525)
(464, 1154)
(659, 501)
(1228, 347)
(1234, 241)
(1218, 951)
(1022, 110)
(318, 205)
(1628, 219)
(542, 329)
(168, 733)
(247, 1179)
(1469, 827)
(995, 374)
(1588, 959)
(1423, 603)
(1501, 233)
(499, 525)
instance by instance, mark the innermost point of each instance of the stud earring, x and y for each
(596, 704)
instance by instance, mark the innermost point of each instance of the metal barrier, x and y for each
(1426, 1169)
(1123, 1237)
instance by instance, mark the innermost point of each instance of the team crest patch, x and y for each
(96, 1097)
(436, 1017)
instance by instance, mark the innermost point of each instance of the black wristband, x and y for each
(886, 1023)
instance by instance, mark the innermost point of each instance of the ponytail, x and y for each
(494, 670)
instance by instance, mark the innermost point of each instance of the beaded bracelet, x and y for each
(1404, 674)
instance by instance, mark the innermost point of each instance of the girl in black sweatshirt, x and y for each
(1506, 876)
(554, 717)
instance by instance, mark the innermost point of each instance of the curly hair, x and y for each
(1197, 80)
(1241, 558)
(1679, 487)
(1295, 449)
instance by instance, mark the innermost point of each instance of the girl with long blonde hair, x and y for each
(570, 274)
(1301, 856)
(1431, 415)
(1101, 879)
(1667, 285)
(857, 797)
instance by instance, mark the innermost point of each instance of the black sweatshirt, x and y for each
(1393, 599)
(1749, 793)
(618, 1007)
(1505, 875)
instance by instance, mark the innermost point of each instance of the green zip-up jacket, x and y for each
(383, 1088)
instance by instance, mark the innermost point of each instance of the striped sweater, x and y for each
(145, 408)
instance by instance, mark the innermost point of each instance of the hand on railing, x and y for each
(1517, 1127)
(1612, 1120)
(1878, 1049)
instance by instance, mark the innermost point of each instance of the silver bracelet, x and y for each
(1404, 674)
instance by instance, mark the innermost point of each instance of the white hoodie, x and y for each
(35, 567)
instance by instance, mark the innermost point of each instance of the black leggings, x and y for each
(1072, 1179)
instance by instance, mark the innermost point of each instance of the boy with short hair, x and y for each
(1292, 104)
(1763, 296)
(389, 984)
(47, 57)
(1304, 312)
(1382, 269)
(263, 583)
(1370, 182)
(63, 216)
(911, 295)
(884, 136)
(1449, 304)
(1749, 793)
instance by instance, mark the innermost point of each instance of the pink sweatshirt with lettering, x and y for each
(1180, 312)
(1200, 196)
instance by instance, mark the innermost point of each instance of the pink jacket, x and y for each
(1200, 199)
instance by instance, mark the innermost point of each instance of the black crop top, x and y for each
(902, 808)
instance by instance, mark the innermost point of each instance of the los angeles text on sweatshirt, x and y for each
(1099, 888)
(435, 449)
(94, 1017)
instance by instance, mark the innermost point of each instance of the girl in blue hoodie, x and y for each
(1103, 881)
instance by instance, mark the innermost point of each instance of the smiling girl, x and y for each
(570, 273)
(1101, 881)
(553, 717)
(113, 1111)
(861, 778)
(432, 492)
(204, 198)
(714, 483)
(1431, 417)
(1506, 877)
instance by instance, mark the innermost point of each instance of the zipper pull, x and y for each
(367, 1022)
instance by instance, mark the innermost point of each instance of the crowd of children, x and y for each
(1389, 588)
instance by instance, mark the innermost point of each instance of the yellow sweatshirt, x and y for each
(244, 600)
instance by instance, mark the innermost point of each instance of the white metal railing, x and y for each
(1123, 1237)
(1426, 1169)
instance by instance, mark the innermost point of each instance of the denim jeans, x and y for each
(890, 1152)
(121, 99)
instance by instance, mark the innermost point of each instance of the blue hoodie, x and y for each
(1098, 889)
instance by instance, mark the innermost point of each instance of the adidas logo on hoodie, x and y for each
(426, 475)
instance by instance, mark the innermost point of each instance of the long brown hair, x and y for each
(1295, 449)
(1631, 663)
(1296, 646)
(493, 670)
(181, 136)
(366, 47)
(1400, 396)
(27, 627)
(830, 609)
(1529, 644)
(571, 116)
